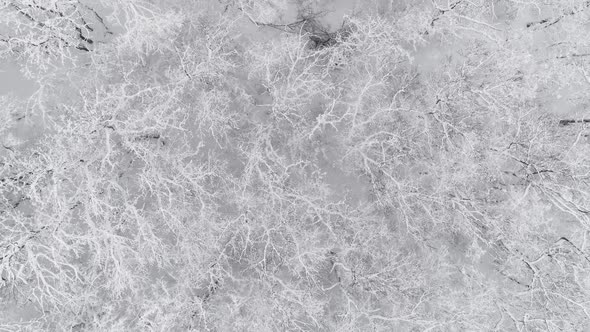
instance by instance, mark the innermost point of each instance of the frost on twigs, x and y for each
(45, 34)
(197, 171)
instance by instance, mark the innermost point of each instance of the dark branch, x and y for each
(441, 12)
(574, 55)
(566, 122)
(547, 22)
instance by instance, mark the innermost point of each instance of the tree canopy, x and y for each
(250, 165)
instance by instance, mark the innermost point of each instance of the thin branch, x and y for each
(547, 22)
(566, 122)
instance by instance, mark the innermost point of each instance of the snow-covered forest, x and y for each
(295, 165)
